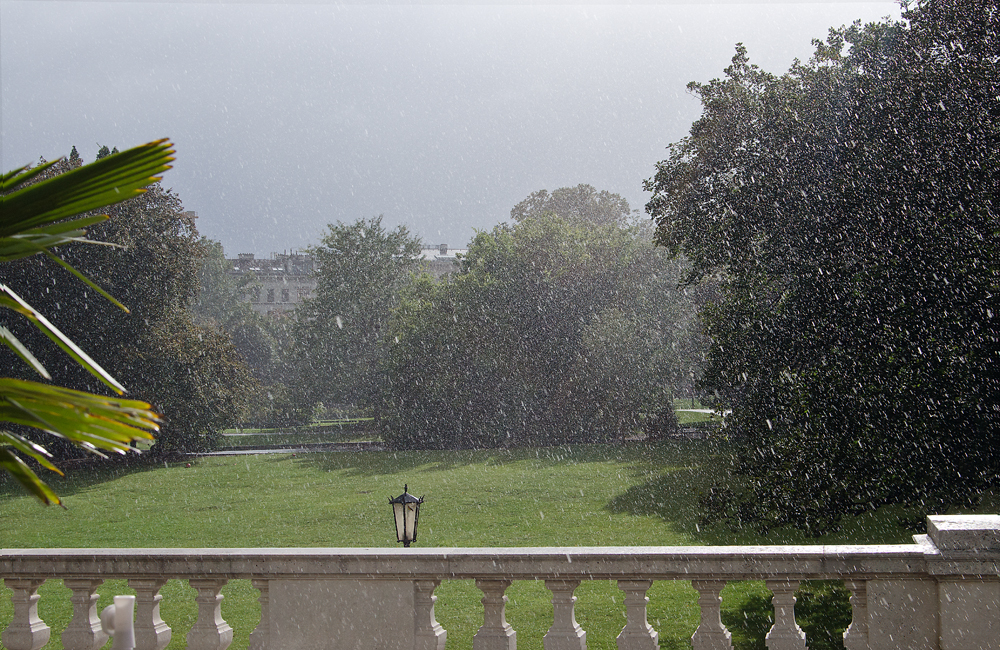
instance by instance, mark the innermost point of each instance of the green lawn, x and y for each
(682, 409)
(574, 496)
(685, 418)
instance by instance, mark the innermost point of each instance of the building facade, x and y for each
(285, 280)
(440, 260)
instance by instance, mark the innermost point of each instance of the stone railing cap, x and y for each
(964, 532)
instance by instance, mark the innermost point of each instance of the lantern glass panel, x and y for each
(398, 512)
(411, 521)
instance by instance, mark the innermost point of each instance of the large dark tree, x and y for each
(849, 208)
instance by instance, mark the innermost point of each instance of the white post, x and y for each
(711, 633)
(565, 633)
(260, 638)
(856, 635)
(151, 632)
(637, 634)
(84, 631)
(785, 634)
(26, 631)
(210, 632)
(967, 569)
(495, 633)
(428, 633)
(117, 622)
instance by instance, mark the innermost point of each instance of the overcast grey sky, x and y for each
(290, 116)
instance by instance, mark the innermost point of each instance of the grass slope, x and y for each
(565, 496)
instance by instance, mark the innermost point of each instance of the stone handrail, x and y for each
(943, 591)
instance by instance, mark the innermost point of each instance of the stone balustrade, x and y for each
(942, 592)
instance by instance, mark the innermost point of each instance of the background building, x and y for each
(439, 260)
(286, 279)
(283, 281)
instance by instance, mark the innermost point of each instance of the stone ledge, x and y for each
(662, 563)
(964, 532)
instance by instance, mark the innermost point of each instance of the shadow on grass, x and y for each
(822, 610)
(675, 492)
(750, 622)
(641, 457)
(81, 476)
(686, 471)
(375, 463)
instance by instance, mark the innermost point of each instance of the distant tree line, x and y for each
(567, 326)
(554, 329)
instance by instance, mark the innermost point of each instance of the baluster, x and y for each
(496, 633)
(429, 633)
(856, 635)
(151, 632)
(711, 633)
(260, 638)
(565, 633)
(637, 634)
(210, 632)
(785, 634)
(26, 631)
(84, 630)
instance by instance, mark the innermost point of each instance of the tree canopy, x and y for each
(361, 268)
(582, 204)
(848, 209)
(552, 332)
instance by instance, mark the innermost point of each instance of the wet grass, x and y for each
(686, 418)
(562, 496)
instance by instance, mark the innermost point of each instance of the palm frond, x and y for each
(28, 448)
(10, 300)
(122, 419)
(17, 177)
(23, 474)
(38, 240)
(7, 338)
(107, 181)
(34, 218)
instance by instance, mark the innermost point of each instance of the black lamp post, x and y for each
(406, 510)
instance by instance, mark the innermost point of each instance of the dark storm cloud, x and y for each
(290, 116)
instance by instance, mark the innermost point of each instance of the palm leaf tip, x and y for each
(27, 478)
(99, 184)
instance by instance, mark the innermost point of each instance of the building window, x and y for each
(284, 295)
(270, 295)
